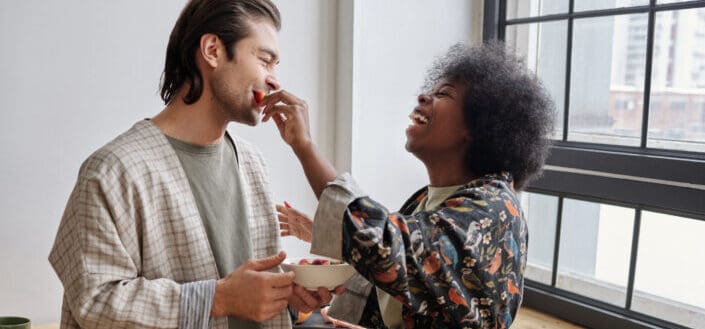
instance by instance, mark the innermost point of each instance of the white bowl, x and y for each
(313, 276)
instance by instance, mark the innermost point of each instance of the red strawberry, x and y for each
(319, 262)
(259, 95)
(304, 262)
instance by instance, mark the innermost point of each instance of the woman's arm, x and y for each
(290, 114)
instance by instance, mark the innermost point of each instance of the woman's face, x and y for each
(437, 123)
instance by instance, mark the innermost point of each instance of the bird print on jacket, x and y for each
(460, 265)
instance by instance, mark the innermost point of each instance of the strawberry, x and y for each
(304, 262)
(259, 96)
(321, 262)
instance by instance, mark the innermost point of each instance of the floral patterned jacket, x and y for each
(458, 266)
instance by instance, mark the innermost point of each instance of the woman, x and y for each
(455, 253)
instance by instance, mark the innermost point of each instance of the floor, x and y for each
(527, 319)
(532, 319)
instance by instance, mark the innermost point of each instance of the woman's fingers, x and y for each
(281, 96)
(291, 102)
(294, 223)
(281, 112)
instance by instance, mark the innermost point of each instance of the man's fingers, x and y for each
(299, 304)
(339, 290)
(305, 296)
(280, 279)
(274, 309)
(264, 264)
(324, 295)
(282, 292)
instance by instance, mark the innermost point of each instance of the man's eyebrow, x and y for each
(271, 53)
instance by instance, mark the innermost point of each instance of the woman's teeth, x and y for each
(418, 118)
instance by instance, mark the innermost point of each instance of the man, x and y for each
(164, 221)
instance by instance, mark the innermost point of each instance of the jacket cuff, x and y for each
(327, 234)
(350, 305)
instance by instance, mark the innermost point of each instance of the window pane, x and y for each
(541, 211)
(677, 109)
(543, 46)
(669, 281)
(607, 79)
(582, 5)
(593, 259)
(532, 8)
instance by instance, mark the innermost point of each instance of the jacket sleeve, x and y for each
(103, 286)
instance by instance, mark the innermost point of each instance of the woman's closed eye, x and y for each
(441, 93)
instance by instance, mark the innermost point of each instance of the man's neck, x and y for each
(199, 123)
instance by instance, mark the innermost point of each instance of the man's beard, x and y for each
(227, 102)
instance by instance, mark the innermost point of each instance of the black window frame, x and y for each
(642, 178)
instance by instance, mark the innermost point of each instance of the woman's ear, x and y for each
(467, 136)
(209, 49)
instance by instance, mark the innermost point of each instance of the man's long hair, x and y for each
(227, 19)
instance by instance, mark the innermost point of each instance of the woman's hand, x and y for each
(293, 223)
(290, 113)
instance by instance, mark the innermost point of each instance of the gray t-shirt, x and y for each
(213, 174)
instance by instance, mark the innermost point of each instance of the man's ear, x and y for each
(209, 49)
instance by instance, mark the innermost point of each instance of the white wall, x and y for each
(75, 74)
(395, 42)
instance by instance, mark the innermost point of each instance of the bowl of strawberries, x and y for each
(314, 272)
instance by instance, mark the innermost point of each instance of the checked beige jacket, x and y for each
(131, 234)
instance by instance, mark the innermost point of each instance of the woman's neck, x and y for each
(447, 171)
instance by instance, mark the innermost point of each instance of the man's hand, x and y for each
(251, 293)
(290, 113)
(294, 223)
(306, 301)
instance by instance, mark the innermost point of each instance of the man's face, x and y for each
(234, 82)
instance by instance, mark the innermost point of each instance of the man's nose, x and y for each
(424, 99)
(272, 83)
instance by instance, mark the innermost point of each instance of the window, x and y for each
(623, 192)
(678, 293)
